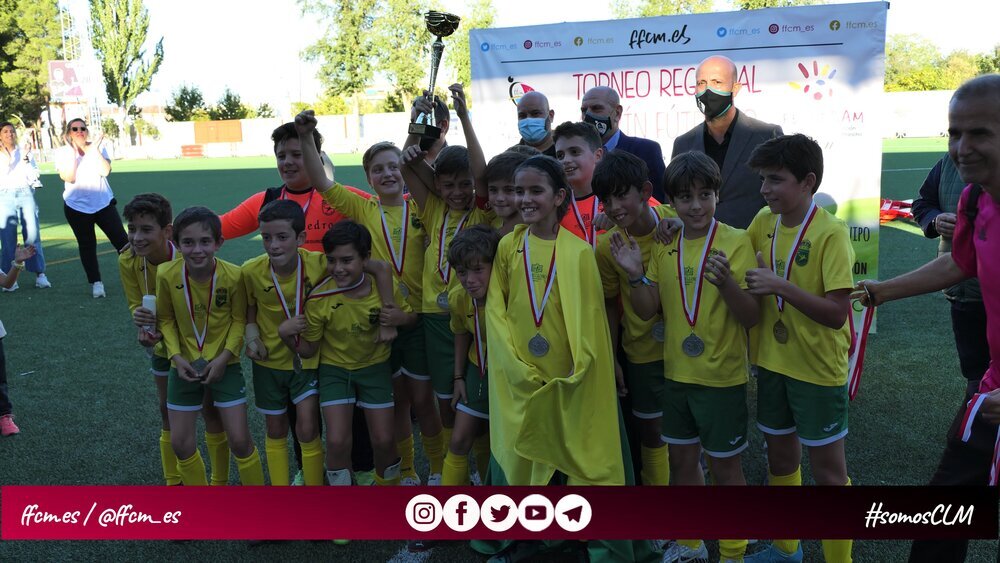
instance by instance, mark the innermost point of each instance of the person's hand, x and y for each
(95, 145)
(602, 222)
(184, 370)
(256, 350)
(458, 100)
(148, 339)
(422, 105)
(628, 255)
(391, 315)
(214, 372)
(990, 409)
(667, 229)
(717, 269)
(864, 291)
(22, 253)
(143, 317)
(385, 334)
(305, 123)
(620, 380)
(458, 394)
(412, 155)
(944, 224)
(292, 327)
(762, 280)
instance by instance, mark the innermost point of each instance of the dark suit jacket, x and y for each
(739, 198)
(650, 152)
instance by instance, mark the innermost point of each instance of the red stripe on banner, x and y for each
(393, 513)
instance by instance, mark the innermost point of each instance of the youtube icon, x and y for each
(535, 513)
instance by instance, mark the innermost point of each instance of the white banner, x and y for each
(817, 70)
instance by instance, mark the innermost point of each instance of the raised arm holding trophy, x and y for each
(442, 25)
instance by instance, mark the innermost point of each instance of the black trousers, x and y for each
(83, 229)
(5, 406)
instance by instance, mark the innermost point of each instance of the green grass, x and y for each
(88, 410)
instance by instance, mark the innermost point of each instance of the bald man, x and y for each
(534, 122)
(728, 136)
(602, 107)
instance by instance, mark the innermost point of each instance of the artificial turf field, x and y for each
(87, 408)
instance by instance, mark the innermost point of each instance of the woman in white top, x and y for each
(18, 180)
(85, 166)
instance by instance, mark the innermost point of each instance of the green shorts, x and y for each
(370, 387)
(159, 366)
(645, 388)
(440, 349)
(272, 388)
(715, 417)
(477, 401)
(785, 405)
(229, 391)
(409, 356)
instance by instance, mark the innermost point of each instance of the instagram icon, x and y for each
(423, 513)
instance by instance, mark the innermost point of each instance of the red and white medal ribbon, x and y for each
(965, 432)
(145, 266)
(589, 233)
(443, 267)
(480, 353)
(300, 280)
(691, 309)
(199, 337)
(316, 293)
(305, 208)
(538, 311)
(397, 259)
(810, 214)
(995, 466)
(856, 354)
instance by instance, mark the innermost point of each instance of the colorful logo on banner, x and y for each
(817, 82)
(517, 90)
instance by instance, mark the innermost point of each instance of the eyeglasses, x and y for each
(77, 128)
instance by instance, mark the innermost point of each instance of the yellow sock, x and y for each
(168, 459)
(405, 449)
(218, 456)
(838, 551)
(655, 466)
(445, 440)
(791, 480)
(312, 462)
(434, 450)
(481, 453)
(692, 544)
(733, 549)
(391, 477)
(456, 469)
(192, 470)
(251, 471)
(276, 450)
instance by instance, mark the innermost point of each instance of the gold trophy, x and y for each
(441, 25)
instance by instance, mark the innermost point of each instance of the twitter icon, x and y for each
(499, 513)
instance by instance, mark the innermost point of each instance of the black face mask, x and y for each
(603, 124)
(713, 103)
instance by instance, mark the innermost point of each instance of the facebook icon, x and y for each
(461, 513)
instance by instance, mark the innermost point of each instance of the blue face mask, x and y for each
(532, 129)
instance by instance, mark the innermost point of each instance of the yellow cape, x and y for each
(541, 423)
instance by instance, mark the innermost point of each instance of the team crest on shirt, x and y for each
(415, 222)
(221, 296)
(802, 255)
(536, 272)
(373, 314)
(688, 275)
(327, 210)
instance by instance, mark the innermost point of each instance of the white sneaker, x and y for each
(410, 482)
(434, 479)
(678, 553)
(99, 290)
(42, 282)
(10, 289)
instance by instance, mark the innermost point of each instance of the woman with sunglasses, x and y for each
(85, 166)
(18, 181)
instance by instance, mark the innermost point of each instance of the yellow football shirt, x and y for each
(814, 353)
(139, 278)
(222, 305)
(724, 360)
(463, 320)
(441, 223)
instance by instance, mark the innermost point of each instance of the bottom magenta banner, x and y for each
(370, 513)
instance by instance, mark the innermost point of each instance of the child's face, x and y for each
(475, 278)
(146, 235)
(198, 245)
(536, 197)
(782, 192)
(578, 160)
(384, 175)
(345, 265)
(696, 206)
(457, 190)
(628, 207)
(291, 167)
(503, 197)
(280, 242)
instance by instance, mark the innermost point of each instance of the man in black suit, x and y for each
(601, 107)
(728, 136)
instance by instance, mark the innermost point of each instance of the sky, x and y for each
(254, 47)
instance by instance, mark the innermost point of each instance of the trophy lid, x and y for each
(441, 24)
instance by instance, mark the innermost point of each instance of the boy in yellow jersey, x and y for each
(621, 184)
(801, 345)
(501, 197)
(398, 240)
(705, 345)
(201, 312)
(351, 324)
(471, 254)
(446, 198)
(277, 284)
(149, 219)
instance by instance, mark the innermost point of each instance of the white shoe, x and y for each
(10, 289)
(99, 290)
(42, 282)
(410, 482)
(434, 479)
(678, 553)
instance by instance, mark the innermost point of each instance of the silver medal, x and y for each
(659, 331)
(538, 346)
(442, 300)
(780, 332)
(200, 366)
(693, 346)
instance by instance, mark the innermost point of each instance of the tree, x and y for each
(264, 110)
(958, 67)
(30, 37)
(912, 63)
(648, 8)
(760, 4)
(230, 106)
(402, 45)
(118, 32)
(456, 52)
(185, 103)
(346, 56)
(989, 63)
